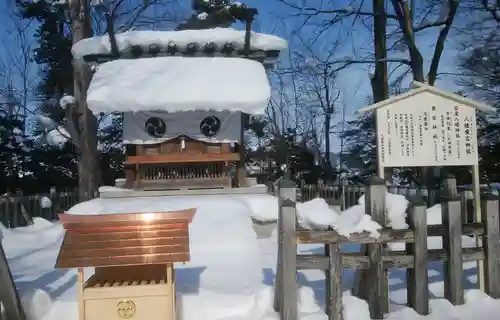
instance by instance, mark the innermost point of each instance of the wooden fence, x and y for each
(17, 210)
(376, 259)
(347, 196)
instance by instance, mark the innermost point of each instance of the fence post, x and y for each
(372, 284)
(449, 185)
(278, 280)
(452, 245)
(333, 287)
(288, 255)
(491, 244)
(412, 190)
(343, 191)
(417, 277)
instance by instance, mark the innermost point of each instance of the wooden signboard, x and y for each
(427, 127)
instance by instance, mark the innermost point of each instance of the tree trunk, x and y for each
(380, 80)
(328, 119)
(380, 89)
(89, 169)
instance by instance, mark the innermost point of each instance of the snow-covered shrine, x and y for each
(184, 96)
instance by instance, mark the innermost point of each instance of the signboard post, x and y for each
(426, 127)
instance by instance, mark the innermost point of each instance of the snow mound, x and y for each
(112, 189)
(317, 214)
(225, 267)
(36, 303)
(67, 101)
(57, 137)
(180, 84)
(264, 207)
(395, 211)
(145, 38)
(45, 202)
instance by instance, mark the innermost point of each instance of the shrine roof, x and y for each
(125, 239)
(265, 48)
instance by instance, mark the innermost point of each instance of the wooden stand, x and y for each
(144, 292)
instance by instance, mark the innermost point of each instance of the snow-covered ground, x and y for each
(232, 270)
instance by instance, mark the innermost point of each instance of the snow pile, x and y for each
(45, 202)
(36, 303)
(264, 207)
(145, 38)
(317, 213)
(224, 280)
(112, 189)
(396, 206)
(67, 101)
(179, 84)
(224, 272)
(57, 137)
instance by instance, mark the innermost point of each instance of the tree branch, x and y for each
(493, 10)
(346, 11)
(438, 51)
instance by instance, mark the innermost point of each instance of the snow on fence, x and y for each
(375, 258)
(351, 193)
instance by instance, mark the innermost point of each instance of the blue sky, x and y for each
(353, 83)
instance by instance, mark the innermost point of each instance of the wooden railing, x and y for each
(375, 258)
(182, 157)
(193, 171)
(180, 170)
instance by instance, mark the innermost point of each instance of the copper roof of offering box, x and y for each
(125, 239)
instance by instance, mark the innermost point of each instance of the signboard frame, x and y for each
(421, 89)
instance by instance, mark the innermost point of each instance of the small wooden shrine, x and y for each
(133, 255)
(185, 97)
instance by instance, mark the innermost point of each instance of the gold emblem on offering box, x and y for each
(126, 309)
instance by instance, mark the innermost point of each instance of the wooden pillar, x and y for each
(417, 277)
(240, 165)
(286, 298)
(171, 281)
(491, 244)
(79, 288)
(372, 284)
(452, 245)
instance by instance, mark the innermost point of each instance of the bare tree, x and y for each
(17, 69)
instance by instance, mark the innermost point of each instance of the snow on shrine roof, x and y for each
(179, 84)
(146, 38)
(421, 87)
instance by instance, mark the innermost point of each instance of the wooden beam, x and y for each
(182, 157)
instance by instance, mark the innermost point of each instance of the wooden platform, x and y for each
(194, 192)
